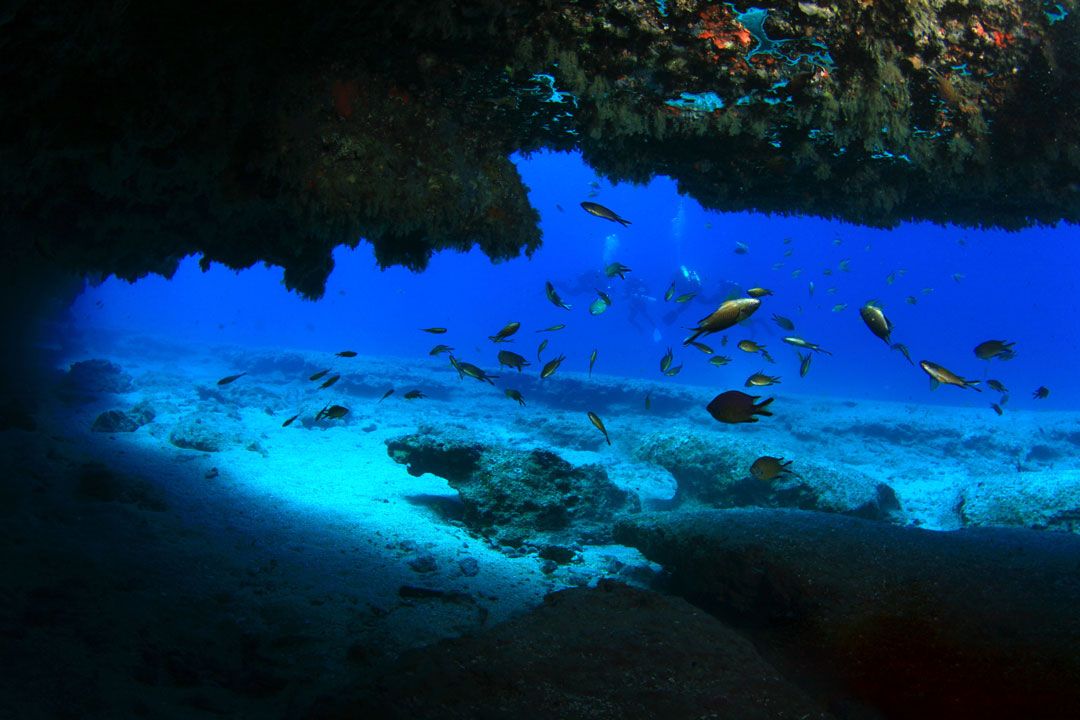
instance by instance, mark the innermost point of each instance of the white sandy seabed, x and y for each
(159, 576)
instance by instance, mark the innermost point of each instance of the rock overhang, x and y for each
(138, 135)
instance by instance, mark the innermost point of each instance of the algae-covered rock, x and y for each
(707, 471)
(914, 623)
(88, 378)
(112, 421)
(1038, 500)
(716, 472)
(607, 653)
(207, 433)
(512, 495)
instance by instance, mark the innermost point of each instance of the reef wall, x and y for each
(136, 133)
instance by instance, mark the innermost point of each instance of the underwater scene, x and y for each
(590, 360)
(306, 488)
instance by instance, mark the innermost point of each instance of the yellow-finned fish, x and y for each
(332, 412)
(600, 211)
(509, 329)
(551, 366)
(540, 350)
(759, 292)
(592, 361)
(553, 328)
(759, 379)
(686, 297)
(719, 360)
(599, 425)
(512, 360)
(515, 395)
(805, 344)
(702, 347)
(783, 322)
(229, 379)
(472, 371)
(670, 292)
(318, 375)
(767, 468)
(1000, 349)
(330, 381)
(600, 304)
(902, 349)
(939, 375)
(875, 319)
(804, 363)
(434, 330)
(616, 268)
(553, 296)
(438, 349)
(665, 362)
(727, 315)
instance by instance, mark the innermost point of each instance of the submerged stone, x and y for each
(515, 495)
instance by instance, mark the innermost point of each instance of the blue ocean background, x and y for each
(969, 285)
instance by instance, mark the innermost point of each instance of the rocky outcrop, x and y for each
(87, 379)
(976, 623)
(608, 653)
(1043, 501)
(113, 421)
(517, 495)
(310, 127)
(205, 432)
(715, 472)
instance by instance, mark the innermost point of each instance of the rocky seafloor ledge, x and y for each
(178, 552)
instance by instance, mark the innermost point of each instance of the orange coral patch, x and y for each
(344, 93)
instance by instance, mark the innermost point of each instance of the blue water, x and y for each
(1016, 286)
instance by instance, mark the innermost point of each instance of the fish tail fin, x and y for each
(759, 409)
(622, 221)
(973, 384)
(692, 338)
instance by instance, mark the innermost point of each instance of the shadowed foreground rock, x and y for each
(517, 495)
(612, 652)
(973, 623)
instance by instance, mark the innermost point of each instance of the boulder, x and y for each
(716, 472)
(207, 433)
(112, 421)
(914, 623)
(88, 378)
(1044, 500)
(607, 653)
(513, 495)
